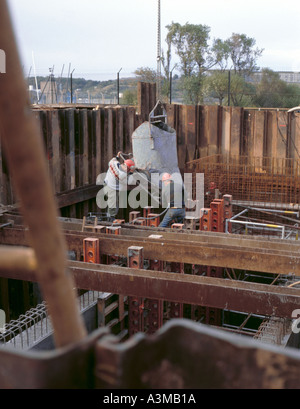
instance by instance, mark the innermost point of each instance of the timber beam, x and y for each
(76, 195)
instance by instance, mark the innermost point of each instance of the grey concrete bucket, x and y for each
(155, 148)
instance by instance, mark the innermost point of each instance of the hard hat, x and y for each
(130, 165)
(166, 176)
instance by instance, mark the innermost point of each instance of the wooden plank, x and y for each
(71, 153)
(278, 137)
(189, 118)
(254, 127)
(282, 137)
(258, 139)
(56, 160)
(129, 128)
(181, 146)
(236, 130)
(84, 139)
(152, 96)
(119, 129)
(97, 131)
(276, 140)
(109, 127)
(91, 177)
(170, 108)
(294, 136)
(78, 148)
(203, 135)
(104, 155)
(63, 147)
(226, 130)
(77, 195)
(212, 129)
(143, 102)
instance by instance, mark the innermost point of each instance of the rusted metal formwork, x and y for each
(181, 355)
(115, 365)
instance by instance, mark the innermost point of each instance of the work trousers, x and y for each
(173, 215)
(115, 199)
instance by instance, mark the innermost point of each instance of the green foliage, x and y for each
(145, 74)
(129, 97)
(272, 92)
(241, 91)
(216, 85)
(243, 54)
(191, 45)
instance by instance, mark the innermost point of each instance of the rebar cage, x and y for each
(266, 180)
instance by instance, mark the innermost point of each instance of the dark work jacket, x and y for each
(173, 194)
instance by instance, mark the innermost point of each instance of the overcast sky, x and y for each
(99, 37)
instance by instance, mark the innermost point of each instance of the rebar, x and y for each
(253, 179)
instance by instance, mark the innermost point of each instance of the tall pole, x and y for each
(229, 85)
(72, 86)
(36, 83)
(118, 86)
(171, 78)
(158, 75)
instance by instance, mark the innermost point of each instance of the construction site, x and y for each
(91, 303)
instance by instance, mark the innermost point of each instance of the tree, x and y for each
(145, 74)
(241, 91)
(237, 53)
(216, 85)
(191, 45)
(221, 51)
(242, 53)
(272, 92)
(129, 97)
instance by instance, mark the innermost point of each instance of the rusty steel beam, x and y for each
(74, 226)
(239, 257)
(198, 236)
(212, 292)
(253, 259)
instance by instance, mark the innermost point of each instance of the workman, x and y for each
(173, 195)
(115, 184)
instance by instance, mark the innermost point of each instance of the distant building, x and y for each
(290, 77)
